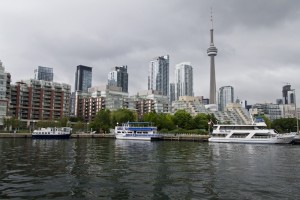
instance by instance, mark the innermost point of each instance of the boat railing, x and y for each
(291, 133)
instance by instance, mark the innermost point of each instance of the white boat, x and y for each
(257, 133)
(137, 131)
(52, 133)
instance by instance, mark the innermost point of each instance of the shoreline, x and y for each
(167, 137)
(172, 137)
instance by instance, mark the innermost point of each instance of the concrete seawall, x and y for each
(178, 137)
(15, 135)
(172, 137)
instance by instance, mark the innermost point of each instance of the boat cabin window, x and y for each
(262, 135)
(219, 135)
(237, 127)
(239, 135)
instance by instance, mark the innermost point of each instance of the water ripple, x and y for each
(113, 169)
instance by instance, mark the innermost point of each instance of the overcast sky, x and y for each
(258, 41)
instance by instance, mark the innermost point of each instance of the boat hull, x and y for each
(137, 137)
(281, 140)
(62, 136)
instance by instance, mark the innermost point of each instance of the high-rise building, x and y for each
(119, 77)
(43, 73)
(183, 80)
(87, 104)
(83, 78)
(226, 96)
(4, 92)
(288, 94)
(39, 100)
(158, 78)
(172, 92)
(158, 103)
(212, 52)
(270, 110)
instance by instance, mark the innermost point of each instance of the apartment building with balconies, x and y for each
(33, 99)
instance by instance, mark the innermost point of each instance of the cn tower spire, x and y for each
(212, 52)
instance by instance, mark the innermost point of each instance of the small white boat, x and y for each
(52, 133)
(137, 131)
(253, 133)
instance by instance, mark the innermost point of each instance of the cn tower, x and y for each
(212, 52)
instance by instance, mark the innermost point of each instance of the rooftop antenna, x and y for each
(211, 18)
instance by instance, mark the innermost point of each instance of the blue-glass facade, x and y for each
(43, 73)
(158, 78)
(183, 80)
(83, 78)
(119, 77)
(226, 96)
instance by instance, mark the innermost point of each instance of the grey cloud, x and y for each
(250, 36)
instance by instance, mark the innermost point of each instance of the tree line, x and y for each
(180, 122)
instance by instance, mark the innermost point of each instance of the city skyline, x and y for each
(256, 41)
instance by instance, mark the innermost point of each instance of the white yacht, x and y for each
(254, 133)
(52, 133)
(137, 131)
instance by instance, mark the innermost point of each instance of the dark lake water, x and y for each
(113, 169)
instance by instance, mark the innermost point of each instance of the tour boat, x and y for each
(252, 133)
(137, 131)
(52, 133)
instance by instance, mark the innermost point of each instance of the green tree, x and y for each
(101, 122)
(284, 125)
(201, 121)
(121, 116)
(267, 121)
(168, 122)
(74, 119)
(15, 123)
(183, 120)
(161, 120)
(63, 122)
(46, 123)
(7, 123)
(78, 126)
(151, 117)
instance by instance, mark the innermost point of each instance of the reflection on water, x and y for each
(121, 169)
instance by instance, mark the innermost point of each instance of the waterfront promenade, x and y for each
(175, 137)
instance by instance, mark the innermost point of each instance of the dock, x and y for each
(185, 137)
(170, 137)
